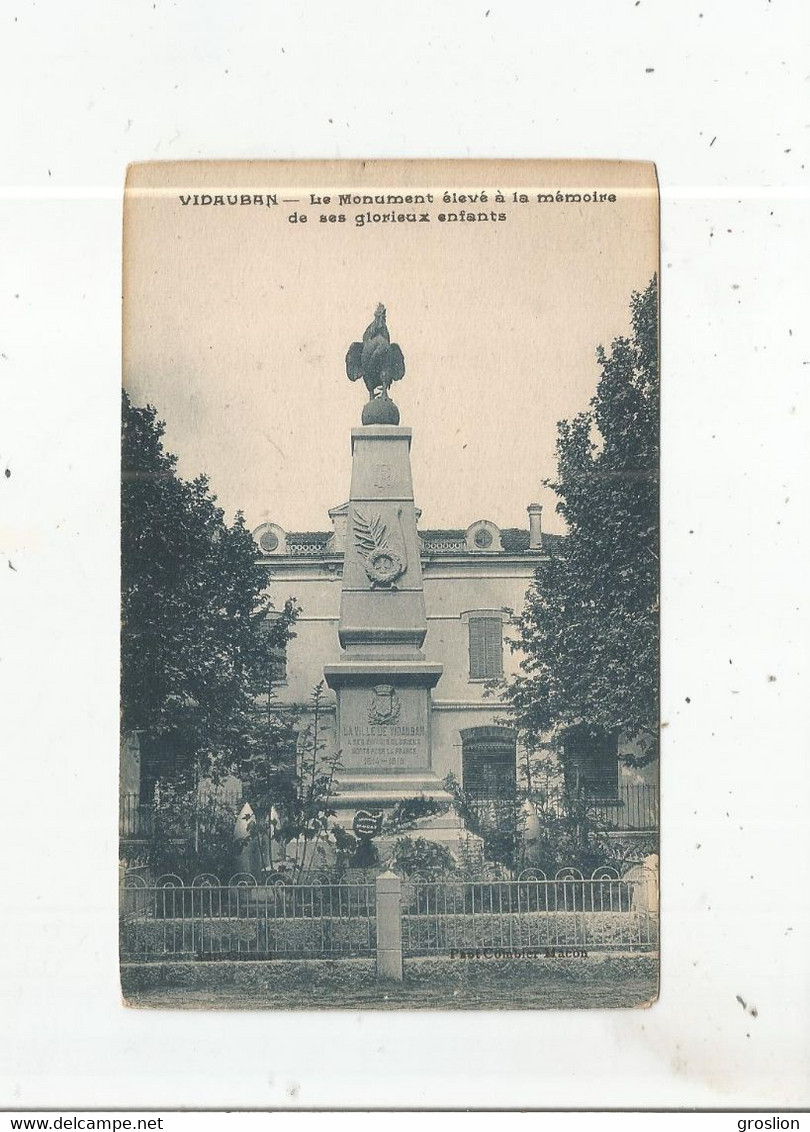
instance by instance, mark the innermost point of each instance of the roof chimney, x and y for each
(535, 526)
(340, 521)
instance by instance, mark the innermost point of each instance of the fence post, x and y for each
(389, 926)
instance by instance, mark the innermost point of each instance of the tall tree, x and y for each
(589, 630)
(197, 626)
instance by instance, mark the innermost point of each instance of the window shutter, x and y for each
(477, 659)
(489, 765)
(278, 665)
(276, 654)
(486, 647)
(493, 636)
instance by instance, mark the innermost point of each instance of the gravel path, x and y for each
(553, 994)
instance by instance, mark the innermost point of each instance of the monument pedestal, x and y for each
(382, 679)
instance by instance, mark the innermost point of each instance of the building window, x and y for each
(278, 665)
(276, 654)
(486, 645)
(271, 538)
(488, 761)
(591, 761)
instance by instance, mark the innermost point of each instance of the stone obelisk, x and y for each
(383, 680)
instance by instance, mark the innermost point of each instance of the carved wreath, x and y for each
(382, 565)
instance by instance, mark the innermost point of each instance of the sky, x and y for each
(237, 321)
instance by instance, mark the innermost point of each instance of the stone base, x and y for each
(375, 792)
(443, 829)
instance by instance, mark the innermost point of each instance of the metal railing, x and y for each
(532, 914)
(134, 817)
(245, 919)
(634, 807)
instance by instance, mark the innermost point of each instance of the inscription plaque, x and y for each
(383, 728)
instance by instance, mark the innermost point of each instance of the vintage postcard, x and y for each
(390, 576)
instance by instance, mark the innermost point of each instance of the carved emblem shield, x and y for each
(383, 707)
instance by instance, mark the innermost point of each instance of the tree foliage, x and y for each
(408, 811)
(190, 834)
(589, 630)
(197, 626)
(306, 799)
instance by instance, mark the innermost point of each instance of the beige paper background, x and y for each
(237, 322)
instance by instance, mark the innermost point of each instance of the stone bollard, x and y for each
(389, 926)
(645, 884)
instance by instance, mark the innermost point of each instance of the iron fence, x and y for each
(134, 817)
(245, 919)
(532, 914)
(633, 808)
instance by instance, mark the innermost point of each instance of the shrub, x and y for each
(409, 810)
(191, 835)
(416, 855)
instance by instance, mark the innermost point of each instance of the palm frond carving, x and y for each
(369, 534)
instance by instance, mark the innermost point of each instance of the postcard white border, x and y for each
(710, 91)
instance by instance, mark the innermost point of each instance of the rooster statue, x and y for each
(376, 359)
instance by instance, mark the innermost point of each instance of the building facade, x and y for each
(475, 581)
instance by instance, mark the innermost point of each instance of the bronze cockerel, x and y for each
(376, 359)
